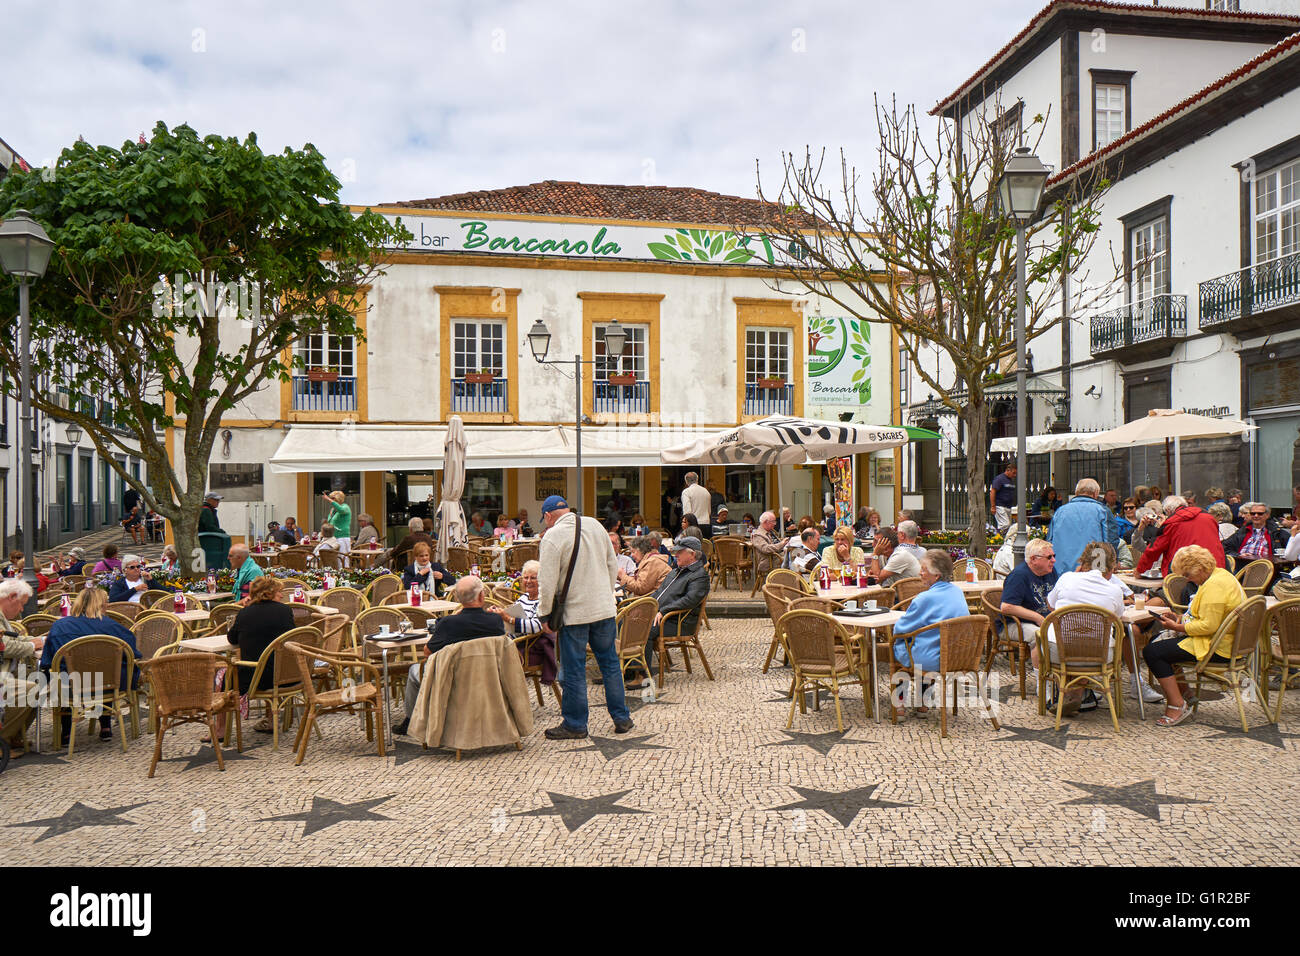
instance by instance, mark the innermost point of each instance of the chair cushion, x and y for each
(336, 698)
(821, 670)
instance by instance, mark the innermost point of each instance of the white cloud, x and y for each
(425, 99)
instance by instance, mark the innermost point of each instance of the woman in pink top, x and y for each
(110, 562)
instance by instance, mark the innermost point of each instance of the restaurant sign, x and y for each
(839, 361)
(586, 240)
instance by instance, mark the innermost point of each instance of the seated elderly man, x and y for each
(940, 601)
(134, 582)
(16, 691)
(1025, 590)
(908, 531)
(415, 533)
(768, 545)
(1259, 536)
(651, 568)
(804, 556)
(246, 570)
(889, 561)
(473, 620)
(685, 589)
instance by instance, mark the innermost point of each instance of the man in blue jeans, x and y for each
(587, 614)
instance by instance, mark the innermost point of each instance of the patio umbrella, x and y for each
(1040, 444)
(452, 530)
(1166, 425)
(780, 440)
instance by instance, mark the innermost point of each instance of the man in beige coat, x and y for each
(769, 547)
(15, 693)
(587, 614)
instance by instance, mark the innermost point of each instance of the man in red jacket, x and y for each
(1184, 525)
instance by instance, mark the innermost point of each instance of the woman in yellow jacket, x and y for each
(1218, 593)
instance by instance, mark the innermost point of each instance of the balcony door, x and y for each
(767, 362)
(328, 383)
(621, 396)
(478, 366)
(1149, 281)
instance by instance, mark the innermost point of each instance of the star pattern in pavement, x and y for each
(612, 747)
(843, 806)
(822, 743)
(79, 815)
(206, 755)
(1139, 797)
(1265, 733)
(1043, 735)
(325, 812)
(635, 702)
(33, 759)
(576, 811)
(402, 752)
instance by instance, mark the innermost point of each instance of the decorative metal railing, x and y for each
(479, 396)
(1160, 317)
(340, 395)
(1268, 285)
(768, 401)
(609, 399)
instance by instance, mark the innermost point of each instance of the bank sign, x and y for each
(839, 361)
(587, 240)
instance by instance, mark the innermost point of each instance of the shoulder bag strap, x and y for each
(557, 610)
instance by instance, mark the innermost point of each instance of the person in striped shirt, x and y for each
(541, 650)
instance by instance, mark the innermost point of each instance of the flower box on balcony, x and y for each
(772, 383)
(322, 375)
(622, 380)
(479, 378)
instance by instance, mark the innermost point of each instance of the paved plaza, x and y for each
(709, 776)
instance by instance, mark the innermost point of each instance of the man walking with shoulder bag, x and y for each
(576, 591)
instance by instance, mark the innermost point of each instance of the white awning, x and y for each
(308, 448)
(1039, 444)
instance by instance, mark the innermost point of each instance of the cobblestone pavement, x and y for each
(709, 776)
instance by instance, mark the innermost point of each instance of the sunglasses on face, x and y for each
(1258, 514)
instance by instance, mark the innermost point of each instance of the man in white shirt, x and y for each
(907, 534)
(804, 555)
(894, 562)
(698, 503)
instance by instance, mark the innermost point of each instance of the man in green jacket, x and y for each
(208, 514)
(340, 517)
(246, 570)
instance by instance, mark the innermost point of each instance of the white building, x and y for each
(1192, 111)
(714, 339)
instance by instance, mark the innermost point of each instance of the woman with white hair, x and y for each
(828, 520)
(368, 532)
(1081, 520)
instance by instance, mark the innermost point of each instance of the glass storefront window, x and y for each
(485, 492)
(1275, 451)
(745, 488)
(618, 493)
(348, 482)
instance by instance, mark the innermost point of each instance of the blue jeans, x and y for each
(574, 639)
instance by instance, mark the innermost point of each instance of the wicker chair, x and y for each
(460, 560)
(222, 614)
(778, 598)
(380, 588)
(520, 555)
(151, 597)
(74, 581)
(1004, 638)
(38, 625)
(286, 680)
(983, 570)
(293, 559)
(345, 697)
(732, 557)
(812, 603)
(823, 656)
(686, 642)
(907, 588)
(505, 593)
(420, 616)
(157, 634)
(348, 600)
(128, 609)
(181, 692)
(397, 597)
(635, 620)
(1248, 620)
(367, 627)
(1255, 577)
(168, 602)
(961, 641)
(788, 578)
(1172, 589)
(119, 618)
(328, 558)
(1280, 654)
(98, 661)
(1085, 633)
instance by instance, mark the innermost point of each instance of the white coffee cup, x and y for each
(870, 605)
(383, 628)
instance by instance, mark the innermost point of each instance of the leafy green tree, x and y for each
(930, 219)
(184, 269)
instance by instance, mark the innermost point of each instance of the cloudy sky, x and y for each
(410, 99)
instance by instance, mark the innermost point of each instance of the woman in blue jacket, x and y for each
(87, 618)
(940, 601)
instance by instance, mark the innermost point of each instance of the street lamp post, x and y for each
(24, 254)
(1020, 190)
(539, 340)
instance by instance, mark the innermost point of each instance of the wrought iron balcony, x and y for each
(608, 399)
(1140, 331)
(1260, 298)
(769, 401)
(487, 397)
(339, 395)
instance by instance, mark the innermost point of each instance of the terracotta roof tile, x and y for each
(593, 201)
(1287, 47)
(1101, 6)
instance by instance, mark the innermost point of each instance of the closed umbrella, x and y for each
(452, 530)
(779, 440)
(1040, 444)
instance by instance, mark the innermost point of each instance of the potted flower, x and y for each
(483, 376)
(772, 383)
(318, 374)
(622, 378)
